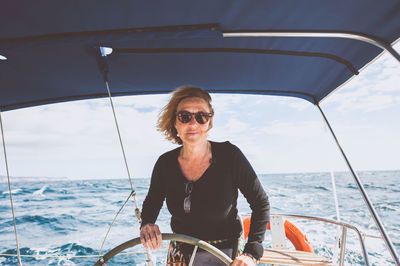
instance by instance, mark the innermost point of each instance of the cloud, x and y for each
(303, 129)
(292, 102)
(368, 103)
(143, 101)
(229, 104)
(79, 132)
(375, 88)
(233, 126)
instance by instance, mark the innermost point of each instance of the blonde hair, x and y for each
(167, 117)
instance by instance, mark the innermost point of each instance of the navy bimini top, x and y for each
(214, 213)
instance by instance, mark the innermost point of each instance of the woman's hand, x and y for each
(150, 236)
(244, 260)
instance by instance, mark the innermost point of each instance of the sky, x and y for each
(78, 140)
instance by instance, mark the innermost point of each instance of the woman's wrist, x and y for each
(145, 224)
(251, 256)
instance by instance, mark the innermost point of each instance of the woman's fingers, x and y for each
(243, 260)
(143, 237)
(153, 239)
(159, 237)
(150, 236)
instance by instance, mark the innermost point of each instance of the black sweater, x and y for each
(214, 213)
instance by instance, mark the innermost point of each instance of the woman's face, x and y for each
(192, 132)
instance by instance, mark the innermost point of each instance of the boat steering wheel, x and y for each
(177, 237)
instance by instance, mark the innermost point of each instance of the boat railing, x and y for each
(345, 227)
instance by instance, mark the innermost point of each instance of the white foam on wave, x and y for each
(62, 261)
(13, 191)
(40, 253)
(40, 191)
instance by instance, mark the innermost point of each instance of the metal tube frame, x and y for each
(374, 215)
(347, 35)
(345, 226)
(343, 245)
(318, 34)
(342, 224)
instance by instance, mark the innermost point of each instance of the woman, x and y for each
(200, 182)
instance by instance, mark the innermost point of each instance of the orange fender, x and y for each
(298, 239)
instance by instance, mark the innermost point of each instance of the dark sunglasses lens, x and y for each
(187, 204)
(185, 117)
(201, 118)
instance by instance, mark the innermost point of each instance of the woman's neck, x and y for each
(195, 151)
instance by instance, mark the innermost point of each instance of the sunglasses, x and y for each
(186, 117)
(187, 203)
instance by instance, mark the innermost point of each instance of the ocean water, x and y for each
(66, 219)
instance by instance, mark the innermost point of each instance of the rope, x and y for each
(338, 237)
(71, 256)
(335, 196)
(9, 189)
(137, 211)
(119, 134)
(104, 69)
(109, 228)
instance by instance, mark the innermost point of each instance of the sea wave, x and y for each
(13, 191)
(71, 218)
(68, 254)
(40, 191)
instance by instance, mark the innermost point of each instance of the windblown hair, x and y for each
(167, 117)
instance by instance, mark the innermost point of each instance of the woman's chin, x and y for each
(193, 138)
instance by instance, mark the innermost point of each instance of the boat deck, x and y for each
(292, 257)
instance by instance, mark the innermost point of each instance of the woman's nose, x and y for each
(193, 120)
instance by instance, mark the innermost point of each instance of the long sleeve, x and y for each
(155, 197)
(251, 188)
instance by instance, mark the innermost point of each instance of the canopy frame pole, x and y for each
(313, 34)
(10, 191)
(374, 215)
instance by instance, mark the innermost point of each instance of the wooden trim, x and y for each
(292, 257)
